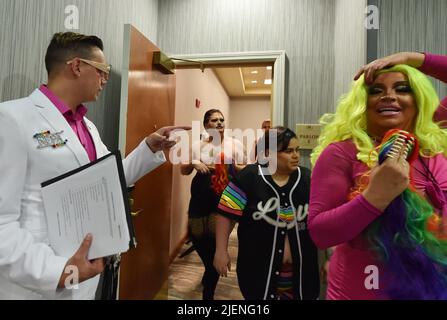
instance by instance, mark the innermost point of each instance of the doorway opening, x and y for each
(248, 88)
(276, 59)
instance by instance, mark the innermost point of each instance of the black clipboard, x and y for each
(119, 163)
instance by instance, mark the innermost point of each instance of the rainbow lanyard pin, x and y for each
(47, 139)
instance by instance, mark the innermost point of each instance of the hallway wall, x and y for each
(249, 113)
(413, 26)
(317, 35)
(26, 30)
(305, 29)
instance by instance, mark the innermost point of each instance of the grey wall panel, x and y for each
(349, 44)
(305, 29)
(413, 25)
(372, 37)
(26, 27)
(314, 33)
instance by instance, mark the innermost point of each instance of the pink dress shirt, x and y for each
(75, 120)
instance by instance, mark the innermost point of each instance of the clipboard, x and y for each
(69, 200)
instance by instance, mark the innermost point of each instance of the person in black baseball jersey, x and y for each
(276, 258)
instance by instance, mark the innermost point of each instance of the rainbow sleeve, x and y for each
(232, 201)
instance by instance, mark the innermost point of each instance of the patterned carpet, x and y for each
(185, 275)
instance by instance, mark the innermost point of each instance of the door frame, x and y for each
(277, 58)
(124, 90)
(141, 70)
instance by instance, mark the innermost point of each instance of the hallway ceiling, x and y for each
(245, 81)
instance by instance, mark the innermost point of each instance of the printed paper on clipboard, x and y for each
(91, 199)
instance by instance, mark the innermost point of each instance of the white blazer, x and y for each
(29, 268)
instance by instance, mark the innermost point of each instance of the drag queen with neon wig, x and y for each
(379, 196)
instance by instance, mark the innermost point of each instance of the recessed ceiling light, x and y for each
(269, 68)
(254, 82)
(254, 72)
(268, 81)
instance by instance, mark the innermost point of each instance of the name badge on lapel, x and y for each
(47, 139)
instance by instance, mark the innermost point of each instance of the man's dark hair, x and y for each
(65, 46)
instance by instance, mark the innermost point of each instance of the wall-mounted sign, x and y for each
(308, 135)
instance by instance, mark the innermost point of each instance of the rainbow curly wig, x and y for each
(410, 238)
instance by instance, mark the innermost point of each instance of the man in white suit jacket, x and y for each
(77, 72)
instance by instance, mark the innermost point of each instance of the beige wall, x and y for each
(192, 85)
(249, 114)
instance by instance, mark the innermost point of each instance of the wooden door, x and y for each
(150, 105)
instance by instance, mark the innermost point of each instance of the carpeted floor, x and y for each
(185, 275)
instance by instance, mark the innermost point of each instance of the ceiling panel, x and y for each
(245, 81)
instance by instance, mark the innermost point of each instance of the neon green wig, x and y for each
(349, 120)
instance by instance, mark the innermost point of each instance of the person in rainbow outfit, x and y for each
(215, 159)
(384, 212)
